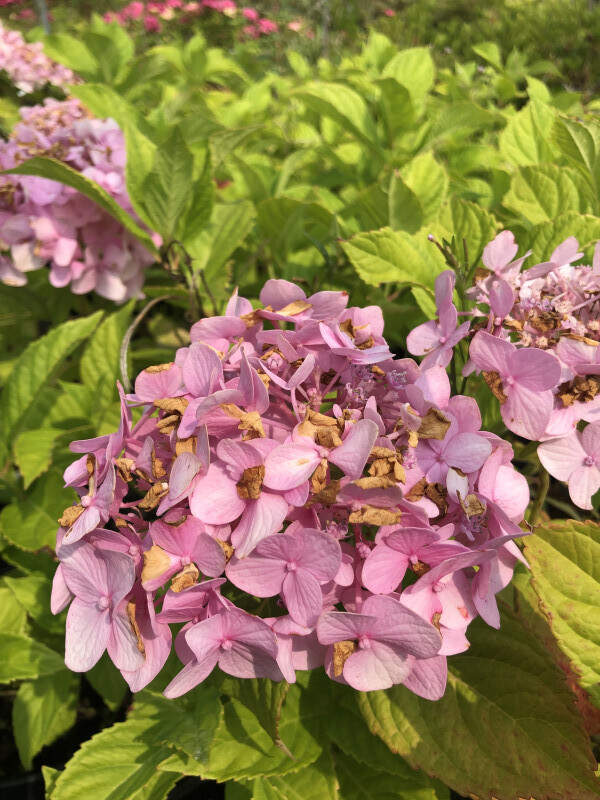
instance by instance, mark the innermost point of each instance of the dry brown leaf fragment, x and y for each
(434, 425)
(471, 505)
(70, 515)
(327, 495)
(227, 549)
(494, 381)
(319, 419)
(296, 307)
(328, 437)
(187, 577)
(318, 480)
(172, 405)
(168, 424)
(583, 389)
(135, 627)
(250, 484)
(366, 345)
(341, 653)
(438, 494)
(125, 468)
(417, 492)
(186, 445)
(375, 482)
(158, 469)
(153, 496)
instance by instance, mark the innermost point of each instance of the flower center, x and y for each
(364, 642)
(291, 566)
(86, 500)
(226, 644)
(443, 340)
(103, 602)
(509, 381)
(185, 560)
(589, 461)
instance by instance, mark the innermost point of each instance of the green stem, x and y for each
(540, 499)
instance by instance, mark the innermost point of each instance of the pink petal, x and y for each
(208, 556)
(561, 457)
(500, 251)
(321, 555)
(192, 674)
(428, 677)
(289, 465)
(399, 626)
(526, 412)
(492, 354)
(262, 577)
(337, 626)
(201, 369)
(150, 386)
(467, 451)
(61, 595)
(260, 518)
(535, 369)
(351, 456)
(384, 569)
(423, 339)
(279, 293)
(583, 484)
(254, 392)
(302, 595)
(590, 439)
(85, 573)
(444, 288)
(123, 645)
(378, 667)
(215, 499)
(121, 574)
(87, 635)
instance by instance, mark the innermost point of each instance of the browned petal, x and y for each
(297, 307)
(341, 653)
(327, 495)
(153, 496)
(135, 627)
(370, 515)
(471, 505)
(328, 437)
(318, 480)
(494, 381)
(185, 445)
(375, 482)
(417, 492)
(152, 370)
(156, 563)
(227, 548)
(168, 424)
(438, 494)
(69, 515)
(366, 345)
(172, 405)
(434, 425)
(250, 484)
(582, 389)
(187, 577)
(420, 568)
(124, 467)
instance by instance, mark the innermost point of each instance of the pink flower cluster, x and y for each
(42, 221)
(26, 64)
(286, 455)
(536, 343)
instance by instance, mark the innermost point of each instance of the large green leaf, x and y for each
(31, 521)
(100, 362)
(362, 782)
(565, 563)
(386, 255)
(429, 181)
(54, 170)
(119, 763)
(42, 711)
(344, 106)
(33, 452)
(228, 227)
(73, 53)
(13, 617)
(106, 679)
(414, 69)
(264, 697)
(544, 238)
(506, 727)
(526, 139)
(544, 192)
(470, 222)
(33, 593)
(405, 212)
(315, 782)
(33, 370)
(579, 142)
(23, 658)
(290, 225)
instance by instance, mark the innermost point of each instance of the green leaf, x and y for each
(73, 53)
(23, 658)
(13, 616)
(201, 203)
(106, 679)
(506, 726)
(362, 782)
(344, 106)
(100, 362)
(290, 225)
(31, 522)
(579, 142)
(33, 452)
(526, 139)
(542, 193)
(168, 187)
(490, 52)
(42, 711)
(57, 171)
(564, 556)
(188, 723)
(315, 782)
(429, 182)
(119, 763)
(405, 212)
(33, 370)
(386, 255)
(544, 238)
(49, 775)
(33, 593)
(470, 222)
(264, 697)
(397, 107)
(414, 69)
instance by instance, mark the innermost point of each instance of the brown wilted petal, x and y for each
(328, 437)
(70, 514)
(187, 577)
(367, 344)
(185, 445)
(327, 496)
(438, 494)
(341, 653)
(124, 467)
(152, 370)
(172, 405)
(318, 480)
(420, 568)
(370, 515)
(471, 505)
(153, 496)
(434, 425)
(582, 389)
(156, 563)
(168, 424)
(494, 381)
(375, 482)
(435, 619)
(135, 627)
(417, 492)
(227, 549)
(250, 484)
(296, 307)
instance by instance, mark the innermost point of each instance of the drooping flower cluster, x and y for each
(42, 221)
(26, 64)
(536, 341)
(286, 455)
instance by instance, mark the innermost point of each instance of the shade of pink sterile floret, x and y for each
(436, 340)
(575, 459)
(521, 379)
(377, 643)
